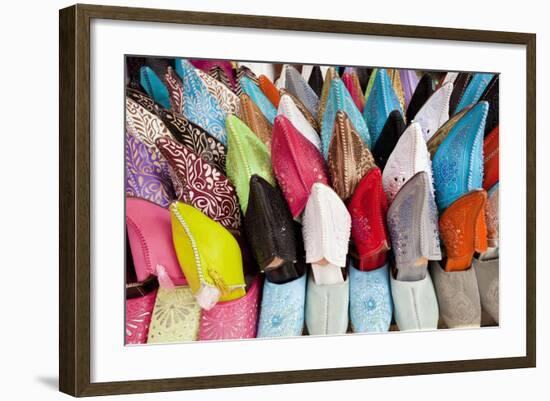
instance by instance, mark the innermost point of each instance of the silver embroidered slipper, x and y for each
(415, 304)
(458, 297)
(298, 86)
(412, 223)
(327, 307)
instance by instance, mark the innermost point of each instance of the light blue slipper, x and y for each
(282, 309)
(327, 307)
(340, 99)
(264, 104)
(371, 305)
(415, 304)
(199, 106)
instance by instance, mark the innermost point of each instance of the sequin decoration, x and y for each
(282, 309)
(371, 305)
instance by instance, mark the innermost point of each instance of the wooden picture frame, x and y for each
(74, 199)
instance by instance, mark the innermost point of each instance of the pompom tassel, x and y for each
(164, 279)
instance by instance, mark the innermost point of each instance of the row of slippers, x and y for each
(190, 160)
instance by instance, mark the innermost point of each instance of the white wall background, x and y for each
(28, 212)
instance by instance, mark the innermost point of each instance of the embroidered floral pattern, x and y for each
(371, 305)
(143, 124)
(201, 185)
(175, 316)
(138, 318)
(196, 139)
(147, 173)
(282, 310)
(233, 319)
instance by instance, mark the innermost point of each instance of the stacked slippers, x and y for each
(267, 200)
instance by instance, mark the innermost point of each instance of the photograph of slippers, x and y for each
(269, 200)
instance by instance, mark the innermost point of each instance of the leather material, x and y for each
(326, 308)
(138, 318)
(329, 76)
(175, 89)
(282, 309)
(199, 106)
(409, 82)
(353, 86)
(326, 227)
(196, 139)
(436, 139)
(147, 173)
(458, 297)
(349, 158)
(370, 305)
(297, 164)
(460, 84)
(415, 304)
(463, 230)
(491, 159)
(227, 100)
(381, 101)
(233, 320)
(423, 91)
(298, 86)
(246, 155)
(435, 112)
(393, 128)
(154, 87)
(256, 121)
(257, 96)
(491, 96)
(409, 157)
(487, 274)
(270, 90)
(474, 90)
(448, 77)
(363, 74)
(144, 125)
(492, 217)
(175, 317)
(269, 226)
(150, 237)
(201, 185)
(368, 207)
(288, 108)
(303, 109)
(315, 80)
(412, 224)
(208, 254)
(339, 99)
(143, 100)
(458, 162)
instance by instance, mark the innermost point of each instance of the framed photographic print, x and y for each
(250, 200)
